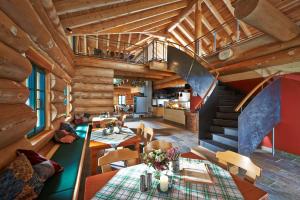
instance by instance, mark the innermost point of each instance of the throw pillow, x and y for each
(20, 181)
(64, 136)
(68, 127)
(36, 158)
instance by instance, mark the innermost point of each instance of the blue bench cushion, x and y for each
(68, 156)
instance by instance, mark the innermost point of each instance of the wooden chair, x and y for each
(205, 153)
(158, 144)
(130, 157)
(148, 135)
(230, 159)
(140, 130)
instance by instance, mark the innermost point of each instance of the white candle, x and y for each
(164, 183)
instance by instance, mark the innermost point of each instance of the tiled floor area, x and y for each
(281, 174)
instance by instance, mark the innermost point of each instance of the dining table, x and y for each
(99, 143)
(100, 187)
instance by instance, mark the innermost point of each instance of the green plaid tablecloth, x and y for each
(125, 185)
(113, 139)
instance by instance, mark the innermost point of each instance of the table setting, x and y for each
(166, 175)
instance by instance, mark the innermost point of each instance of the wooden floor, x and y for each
(280, 176)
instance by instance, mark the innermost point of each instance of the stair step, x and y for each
(224, 130)
(226, 139)
(227, 103)
(226, 108)
(231, 97)
(231, 131)
(225, 122)
(221, 115)
(216, 146)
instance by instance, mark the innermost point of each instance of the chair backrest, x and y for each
(123, 117)
(148, 135)
(243, 162)
(131, 158)
(158, 144)
(140, 130)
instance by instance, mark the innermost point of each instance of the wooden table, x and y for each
(95, 147)
(250, 192)
(96, 121)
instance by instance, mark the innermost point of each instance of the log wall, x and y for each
(92, 90)
(27, 35)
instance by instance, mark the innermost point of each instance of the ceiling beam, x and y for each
(132, 26)
(152, 26)
(124, 20)
(101, 15)
(183, 14)
(67, 6)
(192, 25)
(220, 19)
(241, 23)
(139, 44)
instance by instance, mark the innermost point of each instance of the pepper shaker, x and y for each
(149, 181)
(143, 183)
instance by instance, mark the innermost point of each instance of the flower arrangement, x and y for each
(159, 159)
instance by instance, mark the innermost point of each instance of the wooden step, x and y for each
(226, 139)
(221, 115)
(225, 123)
(216, 146)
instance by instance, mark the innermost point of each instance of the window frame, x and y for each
(123, 99)
(38, 104)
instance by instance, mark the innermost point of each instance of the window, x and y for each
(122, 100)
(67, 99)
(36, 86)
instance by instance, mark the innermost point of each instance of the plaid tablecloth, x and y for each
(125, 185)
(113, 139)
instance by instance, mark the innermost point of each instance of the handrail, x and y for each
(208, 91)
(254, 90)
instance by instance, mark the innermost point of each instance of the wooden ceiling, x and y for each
(131, 21)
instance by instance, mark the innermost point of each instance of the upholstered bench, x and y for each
(65, 185)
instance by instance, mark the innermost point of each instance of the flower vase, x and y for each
(175, 166)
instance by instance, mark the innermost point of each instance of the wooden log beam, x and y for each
(57, 83)
(55, 124)
(57, 97)
(92, 95)
(261, 14)
(12, 92)
(241, 23)
(132, 75)
(12, 35)
(88, 87)
(142, 23)
(93, 71)
(57, 110)
(103, 26)
(183, 14)
(15, 121)
(93, 102)
(13, 65)
(101, 15)
(51, 10)
(93, 110)
(153, 26)
(168, 79)
(60, 40)
(120, 66)
(220, 19)
(173, 83)
(278, 58)
(67, 6)
(92, 79)
(24, 15)
(198, 27)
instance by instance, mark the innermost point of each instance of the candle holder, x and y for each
(169, 188)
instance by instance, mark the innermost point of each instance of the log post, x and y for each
(12, 92)
(13, 65)
(264, 16)
(198, 26)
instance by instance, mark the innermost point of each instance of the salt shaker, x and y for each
(149, 181)
(143, 183)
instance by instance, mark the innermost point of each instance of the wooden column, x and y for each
(198, 26)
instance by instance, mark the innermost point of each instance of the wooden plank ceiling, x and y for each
(131, 21)
(139, 21)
